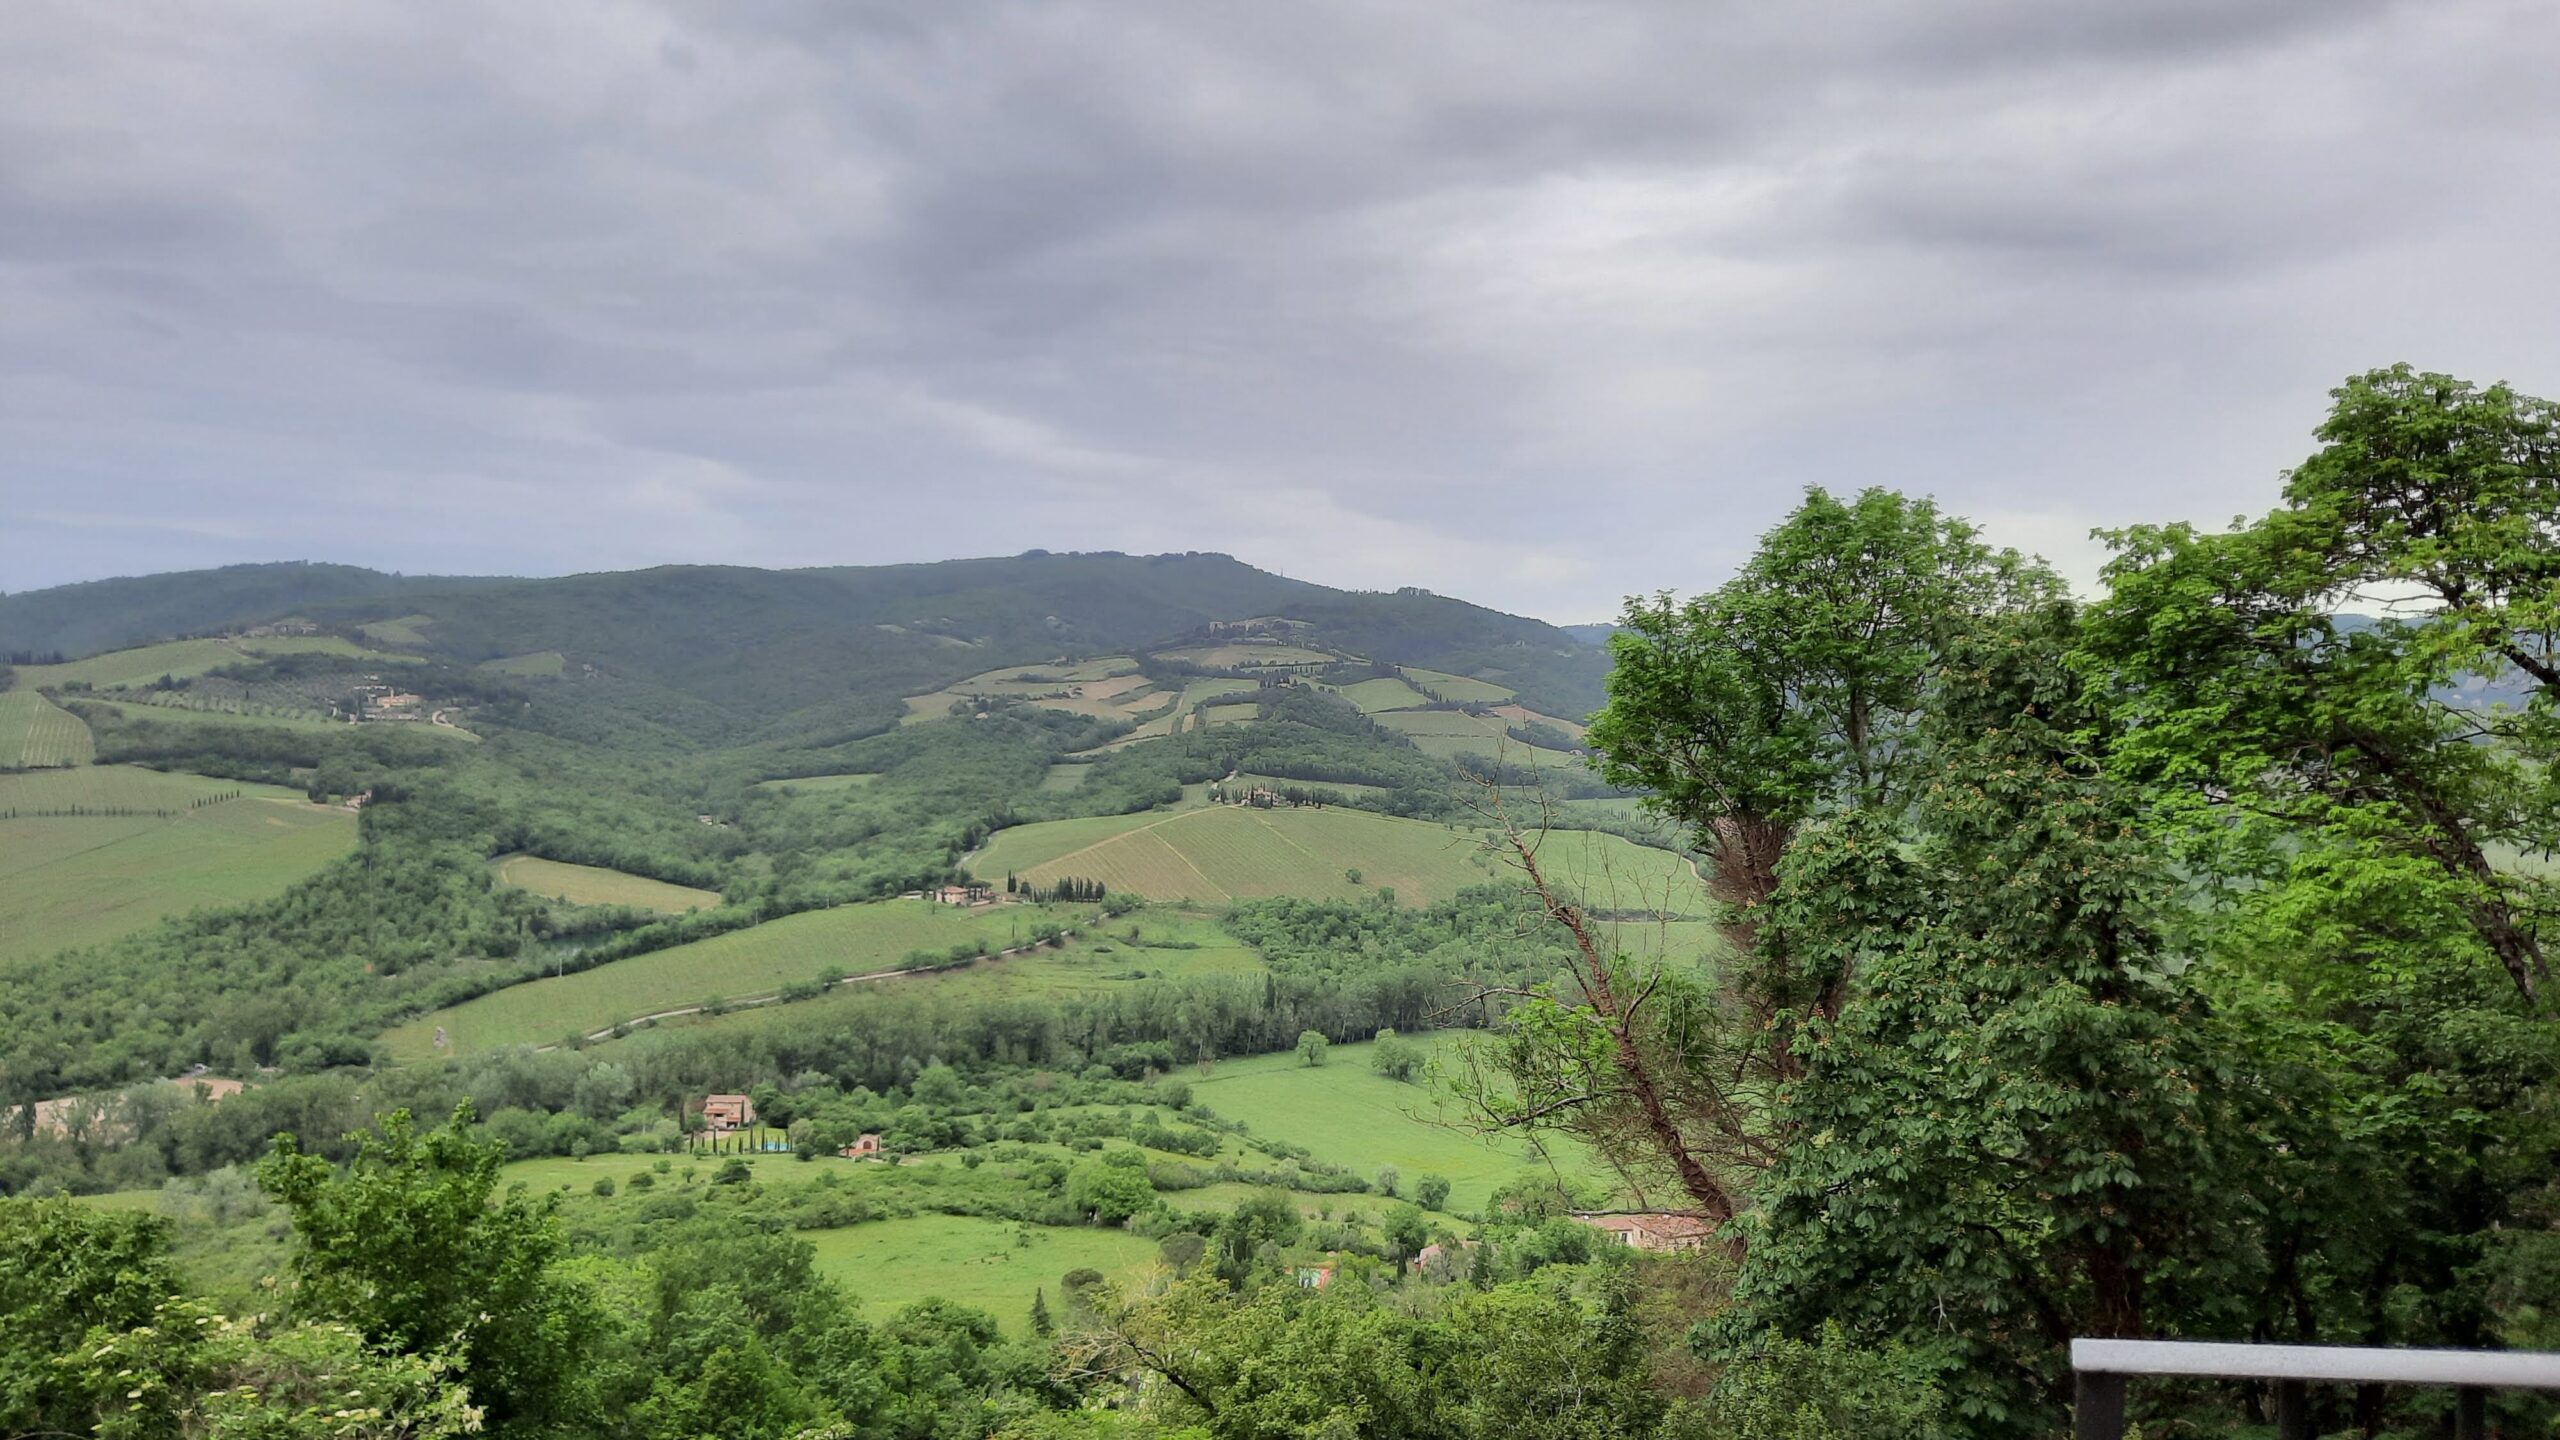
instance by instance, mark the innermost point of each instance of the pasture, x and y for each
(35, 732)
(1457, 687)
(817, 784)
(1348, 1114)
(1389, 693)
(399, 630)
(594, 885)
(1448, 734)
(1170, 945)
(1218, 853)
(1065, 775)
(991, 1265)
(1247, 654)
(538, 665)
(186, 659)
(1184, 708)
(1106, 689)
(759, 960)
(176, 711)
(67, 881)
(99, 788)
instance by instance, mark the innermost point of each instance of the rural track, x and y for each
(752, 1002)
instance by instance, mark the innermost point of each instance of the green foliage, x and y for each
(2015, 1134)
(1311, 1047)
(412, 1245)
(1826, 1389)
(1111, 1188)
(1395, 1057)
(66, 1271)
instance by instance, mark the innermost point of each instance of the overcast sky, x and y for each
(1537, 304)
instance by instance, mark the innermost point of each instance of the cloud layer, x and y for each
(1535, 303)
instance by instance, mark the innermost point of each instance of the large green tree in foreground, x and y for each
(413, 1244)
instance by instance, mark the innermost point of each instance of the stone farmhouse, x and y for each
(1662, 1233)
(724, 1113)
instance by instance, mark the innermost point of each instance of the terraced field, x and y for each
(1217, 853)
(36, 732)
(593, 885)
(858, 939)
(68, 881)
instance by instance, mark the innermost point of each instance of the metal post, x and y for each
(2097, 1406)
(2293, 1410)
(2470, 1413)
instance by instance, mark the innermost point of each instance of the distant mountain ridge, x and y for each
(763, 642)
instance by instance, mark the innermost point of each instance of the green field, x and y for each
(817, 784)
(1103, 960)
(593, 885)
(36, 732)
(1451, 733)
(135, 708)
(400, 630)
(1065, 775)
(1457, 687)
(1249, 779)
(185, 659)
(755, 961)
(1172, 721)
(1390, 693)
(890, 1263)
(1109, 689)
(68, 881)
(117, 787)
(1246, 654)
(539, 665)
(1218, 853)
(1349, 1115)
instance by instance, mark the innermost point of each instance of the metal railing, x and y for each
(2101, 1367)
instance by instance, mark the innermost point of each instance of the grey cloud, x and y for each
(1537, 303)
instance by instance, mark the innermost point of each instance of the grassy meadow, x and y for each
(994, 1265)
(1217, 853)
(1457, 687)
(538, 665)
(818, 784)
(755, 961)
(1348, 1114)
(186, 659)
(1171, 945)
(36, 732)
(593, 885)
(77, 880)
(1389, 693)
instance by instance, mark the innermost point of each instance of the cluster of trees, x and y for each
(2158, 967)
(1069, 888)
